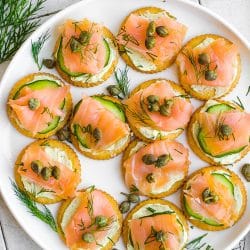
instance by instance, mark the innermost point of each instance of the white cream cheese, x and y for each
(143, 211)
(98, 77)
(44, 78)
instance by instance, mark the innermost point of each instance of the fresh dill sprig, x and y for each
(248, 90)
(122, 80)
(17, 21)
(44, 215)
(37, 46)
(196, 244)
(239, 103)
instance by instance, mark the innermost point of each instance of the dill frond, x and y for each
(122, 80)
(197, 244)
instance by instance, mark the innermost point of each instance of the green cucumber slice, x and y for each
(79, 135)
(221, 107)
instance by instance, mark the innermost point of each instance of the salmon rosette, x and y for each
(39, 105)
(98, 126)
(150, 39)
(85, 53)
(209, 66)
(213, 198)
(48, 170)
(155, 224)
(91, 220)
(156, 169)
(158, 109)
(219, 132)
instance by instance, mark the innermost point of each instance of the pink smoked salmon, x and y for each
(91, 58)
(63, 187)
(37, 120)
(223, 57)
(181, 108)
(136, 170)
(133, 36)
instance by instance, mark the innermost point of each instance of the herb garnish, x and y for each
(37, 46)
(17, 21)
(248, 90)
(196, 244)
(158, 236)
(155, 213)
(239, 103)
(44, 215)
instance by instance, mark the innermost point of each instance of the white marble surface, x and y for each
(236, 12)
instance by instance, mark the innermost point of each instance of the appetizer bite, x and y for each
(156, 169)
(91, 220)
(158, 109)
(98, 126)
(209, 66)
(213, 198)
(219, 132)
(150, 39)
(85, 53)
(48, 170)
(155, 224)
(39, 105)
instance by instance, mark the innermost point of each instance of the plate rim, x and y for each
(194, 5)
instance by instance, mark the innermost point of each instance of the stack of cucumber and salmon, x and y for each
(144, 127)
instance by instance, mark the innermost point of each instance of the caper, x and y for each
(75, 45)
(168, 102)
(133, 198)
(225, 130)
(208, 196)
(84, 38)
(210, 75)
(150, 178)
(88, 129)
(162, 160)
(160, 236)
(203, 59)
(164, 110)
(97, 134)
(113, 90)
(154, 107)
(49, 63)
(55, 172)
(88, 237)
(63, 134)
(34, 103)
(124, 207)
(162, 31)
(101, 221)
(46, 173)
(36, 166)
(153, 98)
(151, 29)
(245, 170)
(148, 159)
(150, 42)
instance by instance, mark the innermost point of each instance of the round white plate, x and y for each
(107, 174)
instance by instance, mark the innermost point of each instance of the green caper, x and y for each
(160, 236)
(113, 90)
(34, 103)
(168, 102)
(154, 107)
(84, 38)
(150, 42)
(88, 237)
(162, 160)
(208, 196)
(49, 63)
(46, 173)
(55, 172)
(75, 45)
(97, 134)
(150, 178)
(124, 207)
(245, 170)
(151, 29)
(89, 129)
(63, 134)
(162, 31)
(203, 59)
(225, 130)
(36, 166)
(153, 99)
(133, 198)
(164, 110)
(148, 159)
(101, 221)
(210, 75)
